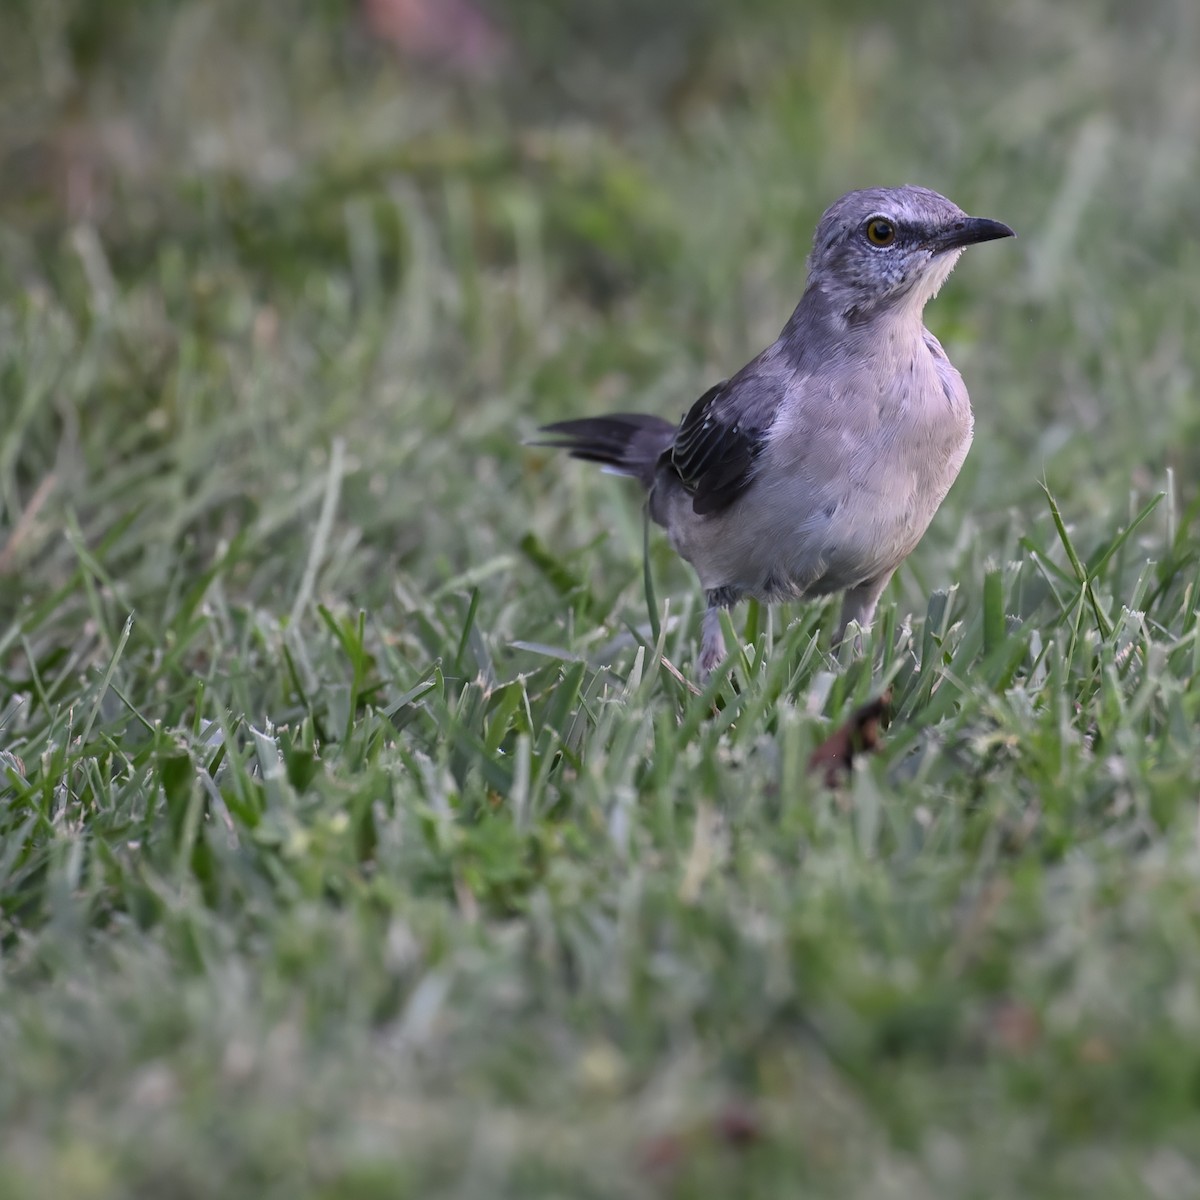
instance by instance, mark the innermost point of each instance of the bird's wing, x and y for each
(720, 437)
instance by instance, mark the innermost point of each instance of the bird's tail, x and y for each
(630, 443)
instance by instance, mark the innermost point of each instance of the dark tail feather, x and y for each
(631, 443)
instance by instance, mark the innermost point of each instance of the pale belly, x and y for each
(845, 489)
(794, 538)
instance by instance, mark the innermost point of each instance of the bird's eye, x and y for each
(880, 232)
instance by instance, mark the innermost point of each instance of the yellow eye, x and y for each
(880, 232)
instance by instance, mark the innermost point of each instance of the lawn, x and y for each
(360, 835)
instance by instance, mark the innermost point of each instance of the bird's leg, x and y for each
(858, 605)
(712, 641)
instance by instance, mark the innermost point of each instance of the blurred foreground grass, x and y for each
(354, 841)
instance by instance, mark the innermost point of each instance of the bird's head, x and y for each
(884, 248)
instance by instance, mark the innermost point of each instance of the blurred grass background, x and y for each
(372, 857)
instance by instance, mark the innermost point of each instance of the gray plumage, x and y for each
(818, 467)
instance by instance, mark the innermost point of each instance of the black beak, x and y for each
(968, 232)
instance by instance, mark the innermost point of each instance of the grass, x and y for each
(355, 839)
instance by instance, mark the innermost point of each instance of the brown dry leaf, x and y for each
(676, 674)
(455, 33)
(11, 762)
(25, 524)
(1096, 1049)
(861, 734)
(1016, 1026)
(735, 1125)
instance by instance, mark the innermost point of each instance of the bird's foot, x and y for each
(712, 637)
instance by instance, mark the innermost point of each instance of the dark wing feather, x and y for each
(716, 444)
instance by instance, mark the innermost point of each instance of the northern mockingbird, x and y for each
(817, 467)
